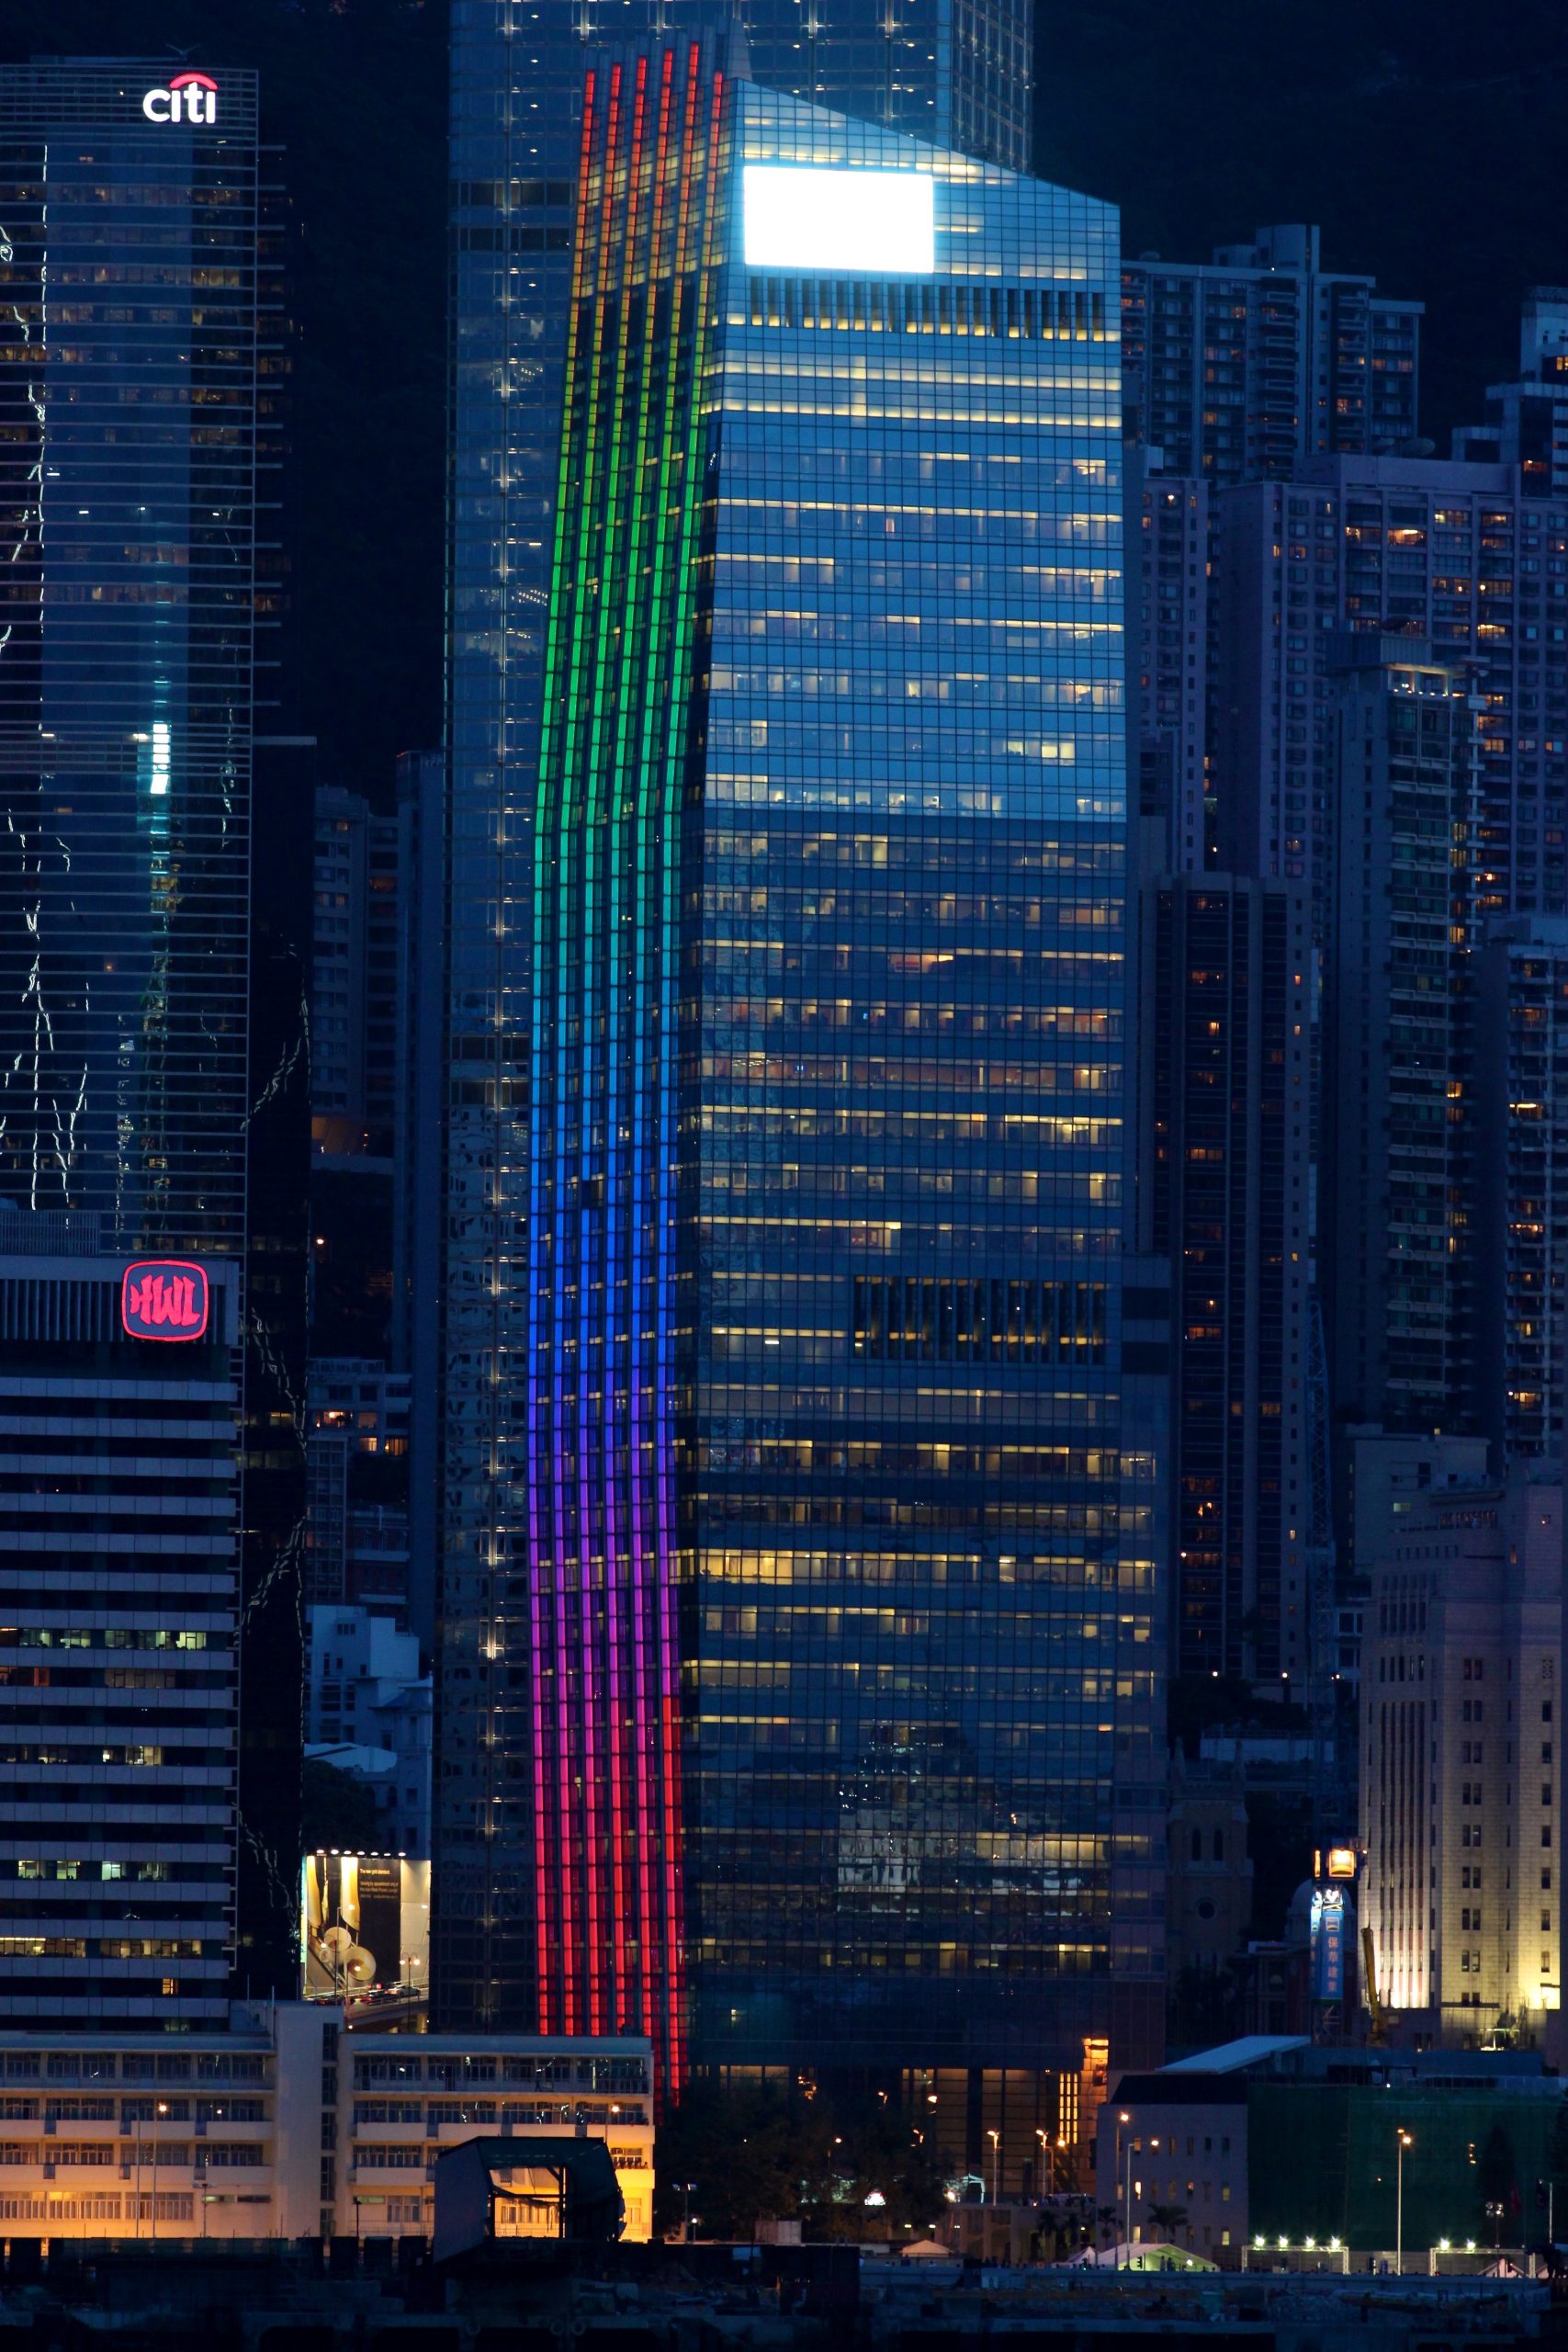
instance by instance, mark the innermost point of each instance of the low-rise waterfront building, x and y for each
(1280, 2139)
(288, 2125)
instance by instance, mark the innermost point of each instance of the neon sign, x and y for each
(1327, 1943)
(163, 1298)
(190, 98)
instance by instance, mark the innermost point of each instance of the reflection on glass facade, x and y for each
(139, 310)
(831, 1628)
(128, 332)
(957, 75)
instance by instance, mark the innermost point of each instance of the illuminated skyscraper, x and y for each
(136, 914)
(960, 77)
(825, 1653)
(127, 399)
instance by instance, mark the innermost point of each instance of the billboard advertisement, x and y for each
(364, 1925)
(1329, 1943)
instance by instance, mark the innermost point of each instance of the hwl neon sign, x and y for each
(163, 1298)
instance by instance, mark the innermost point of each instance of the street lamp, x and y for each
(686, 2186)
(995, 2140)
(1406, 2139)
(1124, 2116)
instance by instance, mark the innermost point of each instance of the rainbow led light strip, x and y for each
(618, 700)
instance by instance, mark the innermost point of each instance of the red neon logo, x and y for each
(205, 80)
(163, 1298)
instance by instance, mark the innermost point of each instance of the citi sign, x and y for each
(190, 98)
(163, 1298)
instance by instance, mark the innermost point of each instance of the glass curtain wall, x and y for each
(826, 1424)
(960, 74)
(128, 261)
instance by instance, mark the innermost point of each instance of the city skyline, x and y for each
(801, 1373)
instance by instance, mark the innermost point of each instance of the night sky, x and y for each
(1427, 140)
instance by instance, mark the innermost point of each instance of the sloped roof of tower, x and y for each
(845, 140)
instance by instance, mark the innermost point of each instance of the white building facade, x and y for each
(1459, 1791)
(369, 1712)
(288, 2126)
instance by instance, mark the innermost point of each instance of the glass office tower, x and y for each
(958, 76)
(830, 1629)
(128, 454)
(136, 304)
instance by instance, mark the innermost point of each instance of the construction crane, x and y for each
(1377, 2034)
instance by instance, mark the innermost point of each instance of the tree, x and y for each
(1551, 2189)
(1168, 2219)
(1201, 2005)
(743, 2151)
(755, 2152)
(339, 1813)
(1557, 2152)
(881, 2150)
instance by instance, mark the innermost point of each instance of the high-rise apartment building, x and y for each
(1224, 1193)
(1460, 1784)
(355, 1543)
(358, 1027)
(135, 449)
(958, 77)
(1519, 1218)
(356, 1530)
(1398, 1116)
(1238, 368)
(377, 1028)
(1169, 629)
(791, 1711)
(355, 1010)
(1527, 421)
(1446, 552)
(119, 1510)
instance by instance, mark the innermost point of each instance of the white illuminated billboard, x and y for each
(365, 1924)
(800, 217)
